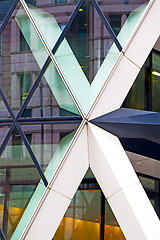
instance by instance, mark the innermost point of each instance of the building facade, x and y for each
(79, 119)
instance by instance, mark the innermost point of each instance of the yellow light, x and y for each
(156, 73)
(26, 93)
(80, 10)
(23, 97)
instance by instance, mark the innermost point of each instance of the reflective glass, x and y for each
(136, 96)
(87, 55)
(156, 82)
(82, 219)
(4, 8)
(112, 228)
(149, 183)
(19, 180)
(43, 12)
(89, 40)
(51, 98)
(123, 16)
(49, 143)
(22, 55)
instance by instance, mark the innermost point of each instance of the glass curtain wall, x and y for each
(50, 119)
(89, 215)
(144, 94)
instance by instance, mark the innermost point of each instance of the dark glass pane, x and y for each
(115, 22)
(156, 82)
(136, 96)
(61, 1)
(19, 180)
(4, 8)
(149, 183)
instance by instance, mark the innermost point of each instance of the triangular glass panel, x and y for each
(22, 55)
(49, 143)
(51, 98)
(83, 219)
(19, 179)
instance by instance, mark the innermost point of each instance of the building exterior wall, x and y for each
(52, 116)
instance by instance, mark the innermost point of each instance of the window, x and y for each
(61, 1)
(23, 44)
(115, 22)
(33, 2)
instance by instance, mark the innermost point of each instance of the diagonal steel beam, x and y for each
(107, 25)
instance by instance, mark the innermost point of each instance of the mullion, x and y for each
(5, 21)
(107, 25)
(40, 75)
(32, 154)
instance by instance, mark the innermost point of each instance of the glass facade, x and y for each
(53, 55)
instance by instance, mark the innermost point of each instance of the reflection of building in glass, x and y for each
(45, 100)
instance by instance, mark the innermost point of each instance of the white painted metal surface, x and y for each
(121, 186)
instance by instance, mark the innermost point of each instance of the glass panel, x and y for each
(49, 143)
(136, 96)
(81, 221)
(44, 12)
(89, 174)
(4, 8)
(19, 180)
(81, 55)
(51, 98)
(89, 40)
(156, 82)
(149, 183)
(112, 229)
(22, 55)
(123, 16)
